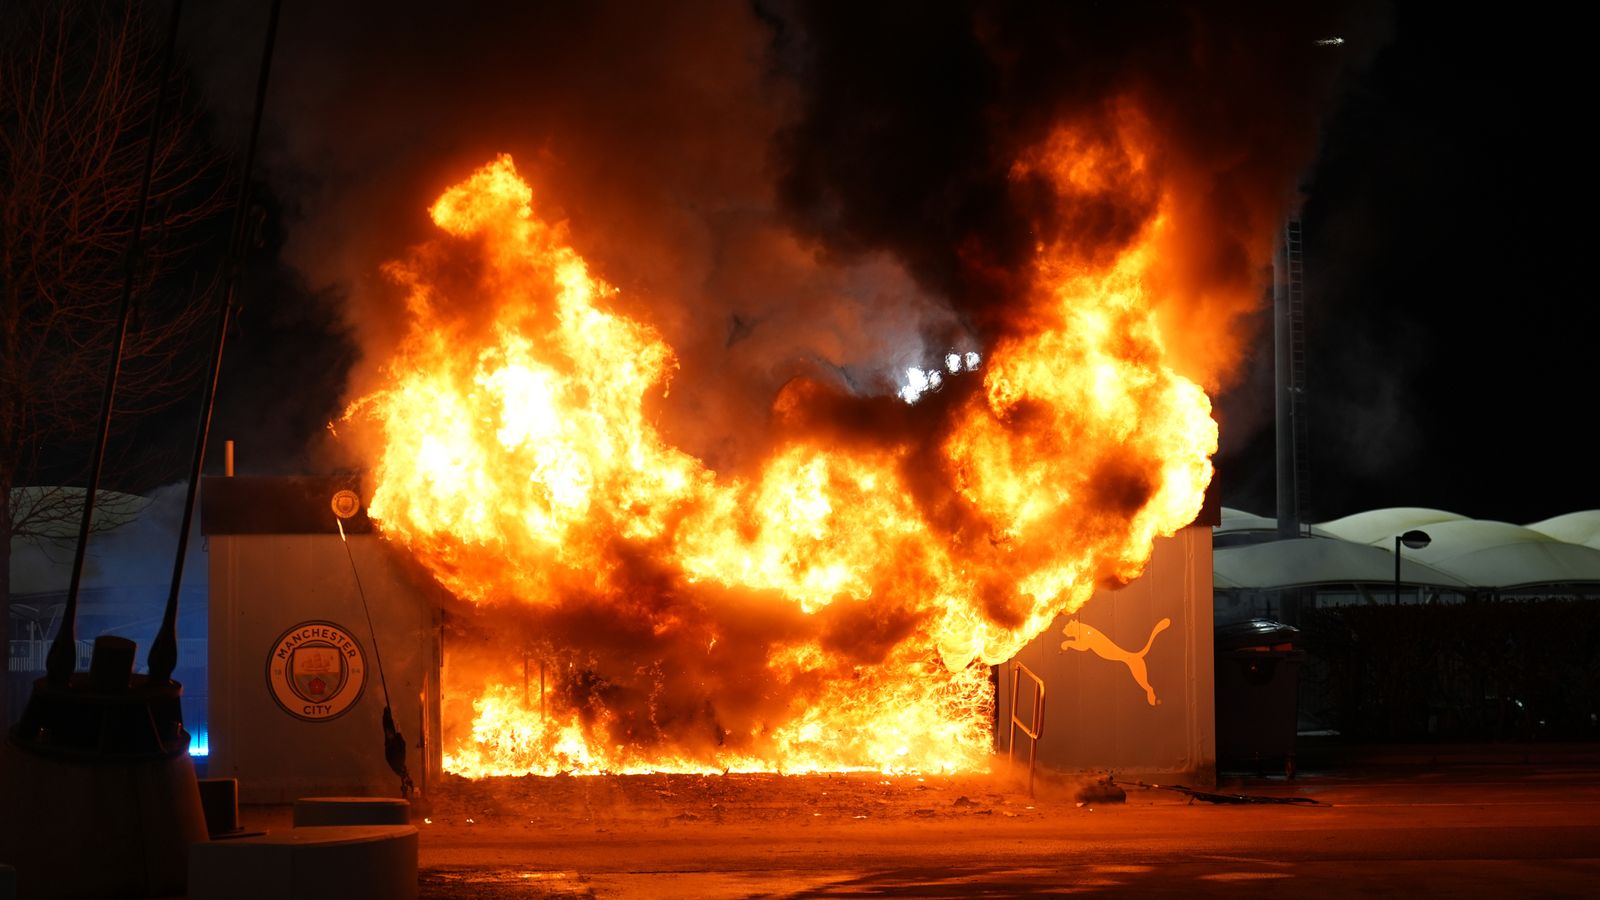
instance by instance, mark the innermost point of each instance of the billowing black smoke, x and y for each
(912, 117)
(819, 190)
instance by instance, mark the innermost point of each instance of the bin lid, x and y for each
(1257, 634)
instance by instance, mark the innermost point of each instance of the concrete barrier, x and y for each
(338, 862)
(318, 811)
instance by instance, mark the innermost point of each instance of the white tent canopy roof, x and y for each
(1306, 561)
(1573, 528)
(1463, 552)
(1379, 526)
(132, 545)
(1236, 520)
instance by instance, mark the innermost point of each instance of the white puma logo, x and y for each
(1085, 637)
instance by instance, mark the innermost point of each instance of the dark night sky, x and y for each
(1451, 314)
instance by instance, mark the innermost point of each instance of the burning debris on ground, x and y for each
(780, 801)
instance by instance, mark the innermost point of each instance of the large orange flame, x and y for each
(836, 608)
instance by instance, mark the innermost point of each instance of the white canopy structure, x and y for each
(1573, 528)
(1463, 555)
(1379, 526)
(1310, 561)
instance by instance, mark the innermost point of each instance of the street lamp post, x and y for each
(1414, 539)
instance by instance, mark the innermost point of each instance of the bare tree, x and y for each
(79, 80)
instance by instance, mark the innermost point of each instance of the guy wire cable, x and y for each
(394, 744)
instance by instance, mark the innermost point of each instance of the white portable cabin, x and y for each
(296, 696)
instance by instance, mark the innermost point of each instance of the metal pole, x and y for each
(1397, 570)
(1283, 382)
(164, 650)
(63, 656)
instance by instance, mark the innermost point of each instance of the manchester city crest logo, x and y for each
(316, 671)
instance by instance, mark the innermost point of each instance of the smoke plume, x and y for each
(799, 189)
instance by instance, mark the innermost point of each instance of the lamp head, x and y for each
(1415, 539)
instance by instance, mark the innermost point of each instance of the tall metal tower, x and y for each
(1289, 345)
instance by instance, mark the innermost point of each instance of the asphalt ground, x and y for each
(1512, 821)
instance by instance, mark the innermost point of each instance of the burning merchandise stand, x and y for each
(834, 603)
(297, 705)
